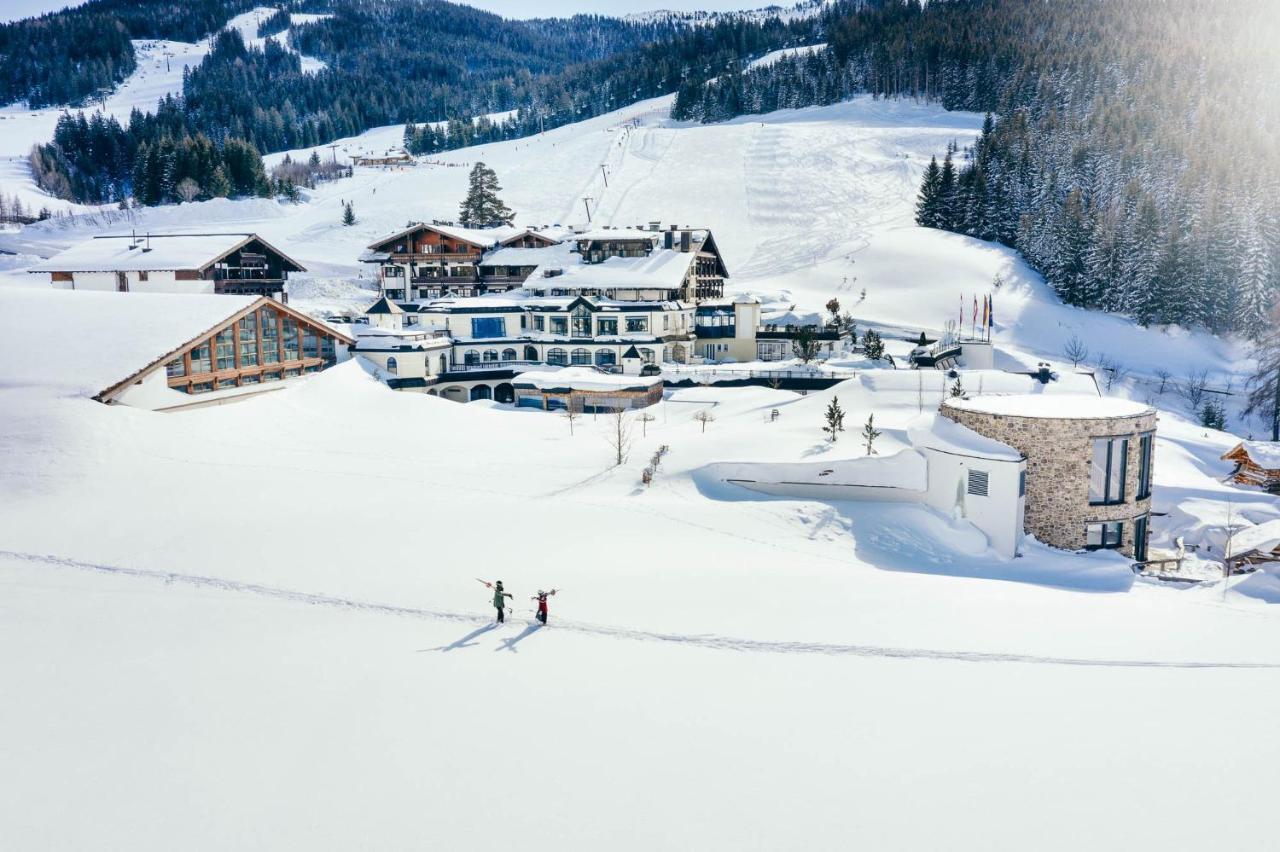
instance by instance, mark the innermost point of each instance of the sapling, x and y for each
(834, 418)
(870, 433)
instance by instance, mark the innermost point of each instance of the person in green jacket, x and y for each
(498, 595)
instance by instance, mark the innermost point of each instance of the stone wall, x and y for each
(1059, 453)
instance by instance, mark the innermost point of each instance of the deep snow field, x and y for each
(258, 626)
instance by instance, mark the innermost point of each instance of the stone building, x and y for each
(1089, 463)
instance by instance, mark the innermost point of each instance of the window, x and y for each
(1105, 535)
(202, 387)
(226, 349)
(482, 327)
(637, 324)
(471, 357)
(392, 272)
(391, 364)
(290, 338)
(226, 383)
(1106, 473)
(608, 326)
(540, 323)
(143, 275)
(270, 333)
(524, 322)
(581, 322)
(250, 380)
(646, 355)
(605, 358)
(249, 341)
(557, 356)
(666, 322)
(175, 368)
(292, 372)
(201, 362)
(310, 343)
(271, 376)
(328, 349)
(1140, 538)
(531, 353)
(508, 354)
(978, 480)
(1022, 483)
(1146, 444)
(490, 355)
(559, 325)
(581, 356)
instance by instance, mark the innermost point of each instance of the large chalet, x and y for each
(239, 264)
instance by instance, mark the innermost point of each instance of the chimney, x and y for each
(668, 240)
(148, 248)
(686, 240)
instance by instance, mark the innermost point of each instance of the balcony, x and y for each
(443, 280)
(248, 286)
(433, 256)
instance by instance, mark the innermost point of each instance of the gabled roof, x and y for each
(631, 352)
(1265, 454)
(154, 252)
(384, 306)
(548, 236)
(482, 238)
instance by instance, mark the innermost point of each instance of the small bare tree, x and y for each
(1164, 376)
(1075, 350)
(1193, 387)
(645, 419)
(1113, 371)
(618, 434)
(704, 417)
(572, 416)
(187, 189)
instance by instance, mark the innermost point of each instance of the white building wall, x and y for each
(161, 281)
(998, 515)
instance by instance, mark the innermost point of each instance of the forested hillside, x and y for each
(382, 68)
(1133, 155)
(72, 55)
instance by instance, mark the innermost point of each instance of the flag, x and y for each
(961, 327)
(991, 312)
(986, 313)
(975, 315)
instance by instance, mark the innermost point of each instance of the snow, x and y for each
(1265, 454)
(268, 611)
(772, 57)
(1062, 406)
(661, 269)
(81, 343)
(148, 251)
(942, 433)
(584, 378)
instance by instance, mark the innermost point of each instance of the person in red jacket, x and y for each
(541, 598)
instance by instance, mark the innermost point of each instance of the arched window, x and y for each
(508, 354)
(646, 355)
(531, 353)
(471, 357)
(558, 356)
(490, 355)
(444, 364)
(391, 364)
(606, 358)
(581, 356)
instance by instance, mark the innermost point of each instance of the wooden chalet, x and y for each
(391, 158)
(241, 264)
(1256, 463)
(529, 238)
(429, 261)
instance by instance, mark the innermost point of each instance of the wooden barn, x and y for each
(1257, 463)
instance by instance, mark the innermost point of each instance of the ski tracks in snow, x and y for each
(710, 641)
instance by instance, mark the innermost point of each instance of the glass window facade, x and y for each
(581, 322)
(310, 343)
(482, 327)
(581, 356)
(1140, 538)
(1146, 446)
(175, 368)
(270, 334)
(226, 349)
(557, 356)
(289, 326)
(201, 359)
(1107, 470)
(249, 341)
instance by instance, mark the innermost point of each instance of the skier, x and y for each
(541, 598)
(498, 595)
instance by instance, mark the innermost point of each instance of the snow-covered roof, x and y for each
(384, 306)
(933, 431)
(81, 343)
(479, 236)
(618, 234)
(1265, 454)
(518, 256)
(584, 378)
(1264, 538)
(157, 252)
(1060, 406)
(662, 269)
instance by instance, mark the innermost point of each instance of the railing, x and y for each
(491, 365)
(420, 257)
(427, 281)
(258, 287)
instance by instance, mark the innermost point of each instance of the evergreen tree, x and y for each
(482, 208)
(834, 419)
(872, 345)
(870, 433)
(928, 204)
(348, 213)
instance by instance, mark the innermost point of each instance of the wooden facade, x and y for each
(1248, 471)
